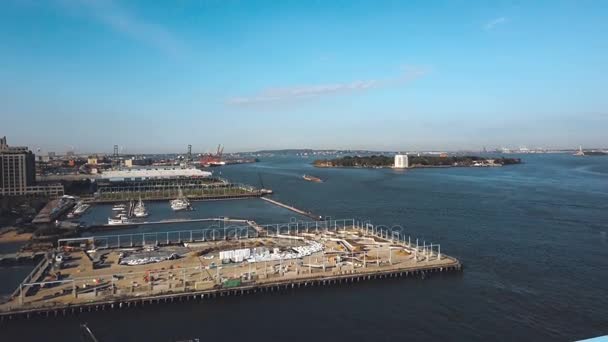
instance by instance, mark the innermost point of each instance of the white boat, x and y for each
(180, 203)
(140, 209)
(81, 208)
(119, 220)
(119, 207)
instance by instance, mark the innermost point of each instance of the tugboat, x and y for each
(140, 209)
(180, 203)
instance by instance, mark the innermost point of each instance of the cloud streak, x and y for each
(286, 94)
(122, 22)
(490, 25)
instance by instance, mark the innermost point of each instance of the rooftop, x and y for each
(154, 173)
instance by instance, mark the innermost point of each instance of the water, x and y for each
(532, 237)
(252, 208)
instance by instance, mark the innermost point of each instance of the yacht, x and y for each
(119, 207)
(140, 209)
(180, 203)
(81, 208)
(118, 220)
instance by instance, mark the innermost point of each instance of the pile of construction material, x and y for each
(299, 252)
(236, 255)
(261, 254)
(147, 257)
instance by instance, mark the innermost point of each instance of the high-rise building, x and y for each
(17, 169)
(18, 172)
(401, 161)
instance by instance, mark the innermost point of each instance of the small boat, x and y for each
(81, 208)
(118, 220)
(180, 203)
(312, 178)
(140, 209)
(119, 207)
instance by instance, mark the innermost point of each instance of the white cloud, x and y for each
(490, 25)
(314, 91)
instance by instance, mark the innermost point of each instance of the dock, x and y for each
(147, 223)
(205, 295)
(294, 209)
(20, 257)
(335, 252)
(255, 194)
(52, 211)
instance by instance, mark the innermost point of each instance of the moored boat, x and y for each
(118, 220)
(180, 203)
(140, 209)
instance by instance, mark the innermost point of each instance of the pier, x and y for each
(192, 197)
(350, 252)
(168, 189)
(202, 296)
(294, 209)
(20, 257)
(147, 223)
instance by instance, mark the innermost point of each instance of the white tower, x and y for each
(401, 161)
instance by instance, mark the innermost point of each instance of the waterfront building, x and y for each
(401, 161)
(156, 182)
(18, 173)
(17, 168)
(155, 173)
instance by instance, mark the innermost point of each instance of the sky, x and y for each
(155, 76)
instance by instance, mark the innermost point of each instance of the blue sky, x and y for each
(402, 75)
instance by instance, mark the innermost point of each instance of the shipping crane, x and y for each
(214, 160)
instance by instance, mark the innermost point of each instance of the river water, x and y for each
(532, 237)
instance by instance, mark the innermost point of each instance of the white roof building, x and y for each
(153, 173)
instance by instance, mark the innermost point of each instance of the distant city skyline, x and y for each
(125, 151)
(85, 75)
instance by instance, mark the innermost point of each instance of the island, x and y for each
(422, 161)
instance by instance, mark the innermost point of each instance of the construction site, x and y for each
(90, 273)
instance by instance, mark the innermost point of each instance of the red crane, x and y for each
(214, 159)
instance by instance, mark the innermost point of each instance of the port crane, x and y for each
(214, 160)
